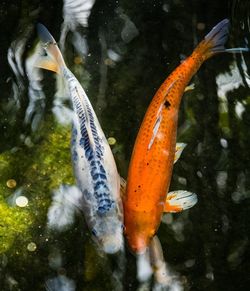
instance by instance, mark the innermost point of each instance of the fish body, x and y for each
(94, 165)
(152, 160)
(95, 171)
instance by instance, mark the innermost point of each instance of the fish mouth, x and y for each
(112, 244)
(138, 244)
(138, 250)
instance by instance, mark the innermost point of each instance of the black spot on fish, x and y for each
(89, 155)
(93, 171)
(99, 184)
(101, 195)
(103, 176)
(81, 142)
(102, 169)
(105, 206)
(95, 176)
(75, 156)
(167, 104)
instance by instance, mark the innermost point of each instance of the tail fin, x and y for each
(54, 59)
(144, 269)
(214, 41)
(44, 34)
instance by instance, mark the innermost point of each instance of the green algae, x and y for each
(38, 170)
(14, 223)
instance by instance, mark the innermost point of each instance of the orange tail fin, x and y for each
(214, 41)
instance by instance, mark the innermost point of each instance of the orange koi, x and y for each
(153, 155)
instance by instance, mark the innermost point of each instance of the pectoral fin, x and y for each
(177, 201)
(178, 150)
(123, 184)
(155, 130)
(189, 87)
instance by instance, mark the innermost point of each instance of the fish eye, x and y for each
(45, 45)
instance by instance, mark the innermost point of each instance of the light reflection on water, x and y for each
(65, 203)
(120, 54)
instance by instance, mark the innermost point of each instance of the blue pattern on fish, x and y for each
(93, 152)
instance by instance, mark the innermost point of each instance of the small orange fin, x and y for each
(48, 64)
(177, 201)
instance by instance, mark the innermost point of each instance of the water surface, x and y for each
(121, 51)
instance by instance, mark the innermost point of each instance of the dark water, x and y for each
(121, 52)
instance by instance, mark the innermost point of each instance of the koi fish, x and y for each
(153, 156)
(93, 161)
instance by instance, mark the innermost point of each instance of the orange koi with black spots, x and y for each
(153, 155)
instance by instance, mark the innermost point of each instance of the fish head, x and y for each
(108, 233)
(139, 230)
(138, 242)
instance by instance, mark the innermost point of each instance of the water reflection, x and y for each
(35, 110)
(60, 282)
(76, 14)
(129, 30)
(66, 201)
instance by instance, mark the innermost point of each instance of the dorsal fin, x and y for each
(155, 130)
(165, 104)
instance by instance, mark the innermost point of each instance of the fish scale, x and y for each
(103, 200)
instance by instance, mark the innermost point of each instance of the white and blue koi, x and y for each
(93, 161)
